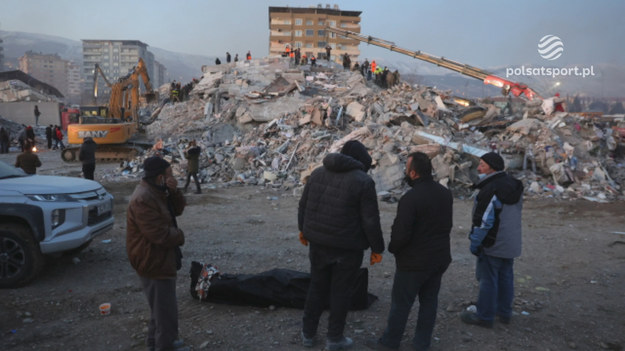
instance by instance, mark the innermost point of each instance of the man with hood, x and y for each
(338, 215)
(86, 155)
(495, 240)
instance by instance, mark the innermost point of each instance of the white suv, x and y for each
(46, 215)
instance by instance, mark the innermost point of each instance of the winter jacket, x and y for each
(28, 162)
(339, 206)
(151, 234)
(496, 225)
(193, 155)
(420, 232)
(59, 134)
(87, 152)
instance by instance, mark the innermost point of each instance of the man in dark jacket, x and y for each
(338, 214)
(495, 240)
(192, 154)
(49, 136)
(4, 141)
(27, 160)
(420, 243)
(86, 155)
(153, 242)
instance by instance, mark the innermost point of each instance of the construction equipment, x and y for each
(112, 126)
(506, 86)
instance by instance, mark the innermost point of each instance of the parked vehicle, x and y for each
(46, 215)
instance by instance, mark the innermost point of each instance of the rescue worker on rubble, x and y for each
(248, 56)
(372, 70)
(236, 57)
(313, 61)
(228, 58)
(364, 68)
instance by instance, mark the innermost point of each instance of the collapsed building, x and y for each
(267, 122)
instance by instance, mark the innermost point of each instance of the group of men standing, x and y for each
(338, 219)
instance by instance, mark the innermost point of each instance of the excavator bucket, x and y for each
(150, 97)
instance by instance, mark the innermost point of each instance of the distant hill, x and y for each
(609, 79)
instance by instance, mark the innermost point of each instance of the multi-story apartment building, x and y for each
(159, 77)
(74, 83)
(304, 28)
(116, 58)
(48, 68)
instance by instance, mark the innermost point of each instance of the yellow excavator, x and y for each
(112, 126)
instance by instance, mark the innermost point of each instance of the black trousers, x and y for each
(49, 140)
(88, 170)
(163, 326)
(333, 276)
(197, 183)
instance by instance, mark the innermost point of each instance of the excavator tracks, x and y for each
(104, 153)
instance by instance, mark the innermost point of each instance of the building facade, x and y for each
(1, 55)
(160, 73)
(48, 68)
(116, 58)
(305, 28)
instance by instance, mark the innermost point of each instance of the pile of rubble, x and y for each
(264, 122)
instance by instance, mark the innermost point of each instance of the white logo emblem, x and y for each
(550, 47)
(92, 133)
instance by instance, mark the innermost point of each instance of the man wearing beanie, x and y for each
(153, 242)
(495, 240)
(338, 216)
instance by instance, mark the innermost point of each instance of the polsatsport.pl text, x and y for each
(551, 71)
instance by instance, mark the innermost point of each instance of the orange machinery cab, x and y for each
(104, 130)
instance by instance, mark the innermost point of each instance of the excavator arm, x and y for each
(506, 86)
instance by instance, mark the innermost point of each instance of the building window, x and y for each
(309, 22)
(332, 23)
(321, 33)
(310, 32)
(298, 33)
(309, 45)
(287, 33)
(321, 22)
(331, 35)
(343, 24)
(321, 44)
(298, 21)
(298, 44)
(286, 21)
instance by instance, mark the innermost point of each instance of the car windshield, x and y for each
(8, 171)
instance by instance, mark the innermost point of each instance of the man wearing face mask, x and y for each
(495, 240)
(420, 243)
(153, 242)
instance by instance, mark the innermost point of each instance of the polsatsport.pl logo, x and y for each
(550, 47)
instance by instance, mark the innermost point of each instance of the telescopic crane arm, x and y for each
(506, 86)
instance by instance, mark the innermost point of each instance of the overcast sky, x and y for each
(485, 33)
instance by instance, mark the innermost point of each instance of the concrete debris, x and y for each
(267, 123)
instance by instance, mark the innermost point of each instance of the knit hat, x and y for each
(494, 161)
(355, 149)
(153, 166)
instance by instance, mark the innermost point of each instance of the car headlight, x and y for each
(57, 218)
(50, 197)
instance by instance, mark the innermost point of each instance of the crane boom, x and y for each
(488, 78)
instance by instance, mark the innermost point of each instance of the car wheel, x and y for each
(20, 258)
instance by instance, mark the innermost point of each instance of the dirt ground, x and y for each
(570, 280)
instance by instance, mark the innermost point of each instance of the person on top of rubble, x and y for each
(364, 68)
(27, 160)
(236, 57)
(328, 52)
(298, 55)
(192, 154)
(228, 58)
(304, 60)
(495, 239)
(421, 244)
(37, 114)
(356, 67)
(217, 61)
(153, 242)
(287, 51)
(347, 62)
(338, 218)
(313, 61)
(248, 56)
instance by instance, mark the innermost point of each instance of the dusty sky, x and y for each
(483, 33)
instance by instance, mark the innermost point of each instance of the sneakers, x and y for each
(307, 342)
(342, 344)
(472, 318)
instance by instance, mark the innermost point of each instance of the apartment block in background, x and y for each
(116, 58)
(1, 56)
(304, 28)
(48, 68)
